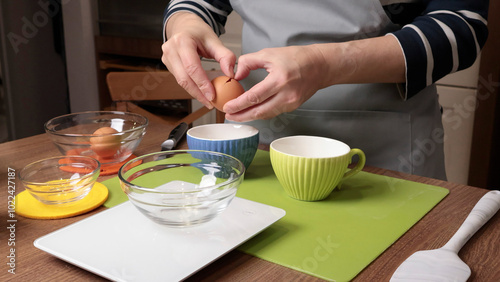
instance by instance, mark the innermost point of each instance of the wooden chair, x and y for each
(128, 87)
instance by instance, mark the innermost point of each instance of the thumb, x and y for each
(247, 63)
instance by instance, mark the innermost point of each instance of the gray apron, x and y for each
(395, 134)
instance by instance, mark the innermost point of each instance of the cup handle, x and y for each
(359, 166)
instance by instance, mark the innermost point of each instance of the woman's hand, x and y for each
(188, 38)
(295, 73)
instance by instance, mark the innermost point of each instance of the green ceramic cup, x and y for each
(310, 167)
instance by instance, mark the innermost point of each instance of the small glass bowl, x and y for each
(60, 180)
(73, 134)
(181, 188)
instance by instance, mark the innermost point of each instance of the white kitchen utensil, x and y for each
(444, 264)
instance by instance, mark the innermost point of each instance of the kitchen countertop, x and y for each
(432, 231)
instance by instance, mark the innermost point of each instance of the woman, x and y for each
(358, 71)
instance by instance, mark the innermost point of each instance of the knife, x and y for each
(175, 136)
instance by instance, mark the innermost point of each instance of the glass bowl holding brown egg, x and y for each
(108, 136)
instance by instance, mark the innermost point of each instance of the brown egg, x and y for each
(225, 89)
(105, 145)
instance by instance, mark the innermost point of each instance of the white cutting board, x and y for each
(121, 244)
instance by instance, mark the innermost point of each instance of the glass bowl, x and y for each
(73, 134)
(181, 188)
(60, 180)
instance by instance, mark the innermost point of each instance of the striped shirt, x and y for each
(438, 37)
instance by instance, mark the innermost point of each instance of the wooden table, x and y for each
(32, 264)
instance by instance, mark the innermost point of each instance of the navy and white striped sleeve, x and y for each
(214, 13)
(446, 38)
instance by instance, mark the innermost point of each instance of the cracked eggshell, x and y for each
(226, 89)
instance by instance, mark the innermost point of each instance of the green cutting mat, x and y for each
(336, 238)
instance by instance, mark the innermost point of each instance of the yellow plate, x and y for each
(28, 206)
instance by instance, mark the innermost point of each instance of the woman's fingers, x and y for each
(190, 38)
(175, 65)
(292, 79)
(266, 110)
(254, 96)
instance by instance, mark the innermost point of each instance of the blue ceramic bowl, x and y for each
(238, 140)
